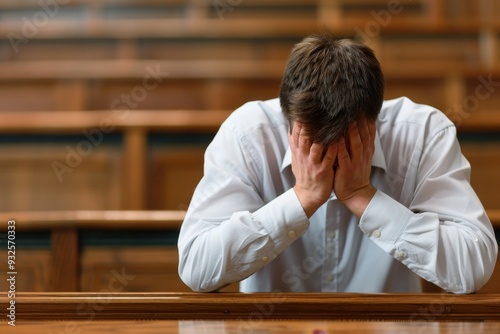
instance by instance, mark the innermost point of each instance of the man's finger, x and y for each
(296, 133)
(304, 142)
(367, 134)
(330, 154)
(343, 157)
(355, 143)
(316, 152)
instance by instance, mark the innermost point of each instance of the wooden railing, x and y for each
(262, 306)
(65, 228)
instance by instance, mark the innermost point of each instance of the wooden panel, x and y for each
(173, 176)
(213, 49)
(24, 96)
(141, 269)
(423, 51)
(484, 159)
(482, 93)
(493, 285)
(60, 49)
(135, 152)
(132, 269)
(38, 177)
(65, 260)
(425, 91)
(232, 94)
(169, 94)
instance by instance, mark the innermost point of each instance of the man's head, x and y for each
(330, 83)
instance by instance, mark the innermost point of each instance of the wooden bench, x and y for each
(135, 174)
(75, 268)
(255, 18)
(135, 126)
(433, 51)
(68, 265)
(222, 84)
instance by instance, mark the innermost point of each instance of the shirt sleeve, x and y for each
(444, 235)
(229, 231)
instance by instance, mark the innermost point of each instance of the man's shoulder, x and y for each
(403, 111)
(256, 114)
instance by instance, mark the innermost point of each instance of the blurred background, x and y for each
(108, 106)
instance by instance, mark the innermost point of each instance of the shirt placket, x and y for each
(331, 242)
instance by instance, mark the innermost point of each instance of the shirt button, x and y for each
(292, 234)
(399, 254)
(332, 235)
(376, 234)
(330, 278)
(265, 258)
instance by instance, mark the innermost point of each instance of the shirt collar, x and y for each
(378, 159)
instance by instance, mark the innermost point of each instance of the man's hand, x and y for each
(312, 165)
(352, 175)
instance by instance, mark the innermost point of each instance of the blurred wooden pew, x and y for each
(136, 173)
(91, 52)
(131, 189)
(88, 71)
(69, 266)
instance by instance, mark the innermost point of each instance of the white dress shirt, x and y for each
(245, 222)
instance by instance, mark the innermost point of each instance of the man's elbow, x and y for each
(475, 276)
(195, 280)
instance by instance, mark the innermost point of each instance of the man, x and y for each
(330, 188)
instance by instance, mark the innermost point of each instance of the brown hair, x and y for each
(329, 83)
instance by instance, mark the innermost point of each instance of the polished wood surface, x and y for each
(245, 326)
(277, 305)
(172, 121)
(40, 122)
(116, 219)
(95, 219)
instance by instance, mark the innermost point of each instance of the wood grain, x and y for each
(95, 219)
(65, 260)
(247, 326)
(147, 306)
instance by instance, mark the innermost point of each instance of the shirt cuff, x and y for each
(284, 219)
(384, 220)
